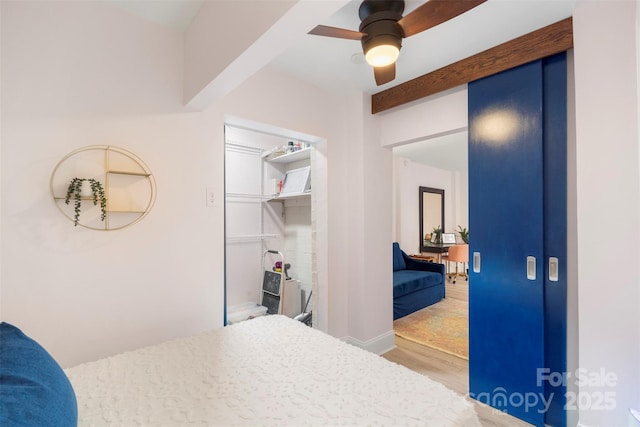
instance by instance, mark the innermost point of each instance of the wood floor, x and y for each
(449, 370)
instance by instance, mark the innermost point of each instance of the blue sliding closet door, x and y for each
(506, 325)
(508, 125)
(555, 236)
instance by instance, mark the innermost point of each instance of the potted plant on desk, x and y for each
(438, 233)
(464, 234)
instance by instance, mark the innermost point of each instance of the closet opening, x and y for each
(271, 227)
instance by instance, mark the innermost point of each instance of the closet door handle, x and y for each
(553, 269)
(476, 262)
(531, 268)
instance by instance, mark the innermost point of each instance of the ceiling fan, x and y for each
(383, 27)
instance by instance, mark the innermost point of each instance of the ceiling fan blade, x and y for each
(434, 12)
(384, 74)
(341, 33)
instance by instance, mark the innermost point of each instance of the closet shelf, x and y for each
(291, 196)
(305, 153)
(255, 197)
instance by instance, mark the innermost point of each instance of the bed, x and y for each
(267, 371)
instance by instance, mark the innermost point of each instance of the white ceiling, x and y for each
(445, 152)
(176, 14)
(337, 64)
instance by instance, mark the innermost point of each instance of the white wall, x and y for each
(370, 233)
(608, 198)
(440, 114)
(81, 73)
(85, 73)
(279, 25)
(238, 24)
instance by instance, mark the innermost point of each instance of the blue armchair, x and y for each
(416, 284)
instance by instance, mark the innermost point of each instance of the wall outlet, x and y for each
(211, 197)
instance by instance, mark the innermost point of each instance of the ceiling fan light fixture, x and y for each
(383, 27)
(382, 50)
(382, 55)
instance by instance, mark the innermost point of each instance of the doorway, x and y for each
(438, 163)
(441, 163)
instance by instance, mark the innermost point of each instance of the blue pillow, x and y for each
(34, 390)
(398, 259)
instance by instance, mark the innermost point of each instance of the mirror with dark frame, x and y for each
(431, 211)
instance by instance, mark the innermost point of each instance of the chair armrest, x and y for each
(414, 264)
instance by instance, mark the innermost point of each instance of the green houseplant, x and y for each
(438, 233)
(97, 194)
(464, 234)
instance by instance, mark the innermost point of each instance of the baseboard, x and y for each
(378, 345)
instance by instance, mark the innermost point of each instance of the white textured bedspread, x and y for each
(270, 371)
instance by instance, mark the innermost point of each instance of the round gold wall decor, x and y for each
(128, 183)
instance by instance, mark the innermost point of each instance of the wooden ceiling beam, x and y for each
(538, 44)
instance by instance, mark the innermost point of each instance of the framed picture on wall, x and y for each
(296, 181)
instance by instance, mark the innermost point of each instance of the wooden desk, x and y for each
(423, 257)
(436, 248)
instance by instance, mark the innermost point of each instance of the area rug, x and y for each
(443, 326)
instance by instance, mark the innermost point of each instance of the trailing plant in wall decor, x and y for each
(75, 189)
(120, 185)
